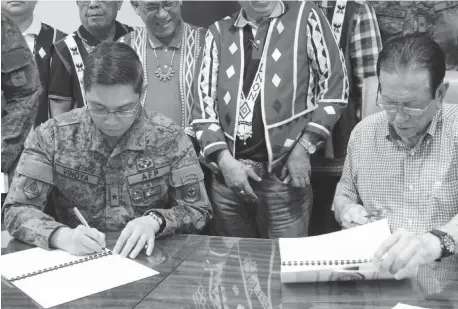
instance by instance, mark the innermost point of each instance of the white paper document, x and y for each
(404, 306)
(67, 283)
(334, 256)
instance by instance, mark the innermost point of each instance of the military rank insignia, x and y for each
(191, 193)
(32, 188)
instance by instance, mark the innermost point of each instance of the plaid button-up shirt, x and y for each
(415, 188)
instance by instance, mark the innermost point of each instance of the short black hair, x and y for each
(414, 51)
(113, 63)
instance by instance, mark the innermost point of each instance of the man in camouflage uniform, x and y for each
(134, 171)
(438, 18)
(20, 93)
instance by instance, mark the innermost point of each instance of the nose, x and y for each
(161, 13)
(111, 119)
(401, 117)
(93, 4)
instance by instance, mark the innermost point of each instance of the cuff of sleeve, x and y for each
(319, 129)
(212, 148)
(45, 235)
(170, 225)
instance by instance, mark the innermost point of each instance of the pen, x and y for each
(81, 218)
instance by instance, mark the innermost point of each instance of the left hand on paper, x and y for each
(137, 233)
(298, 167)
(403, 252)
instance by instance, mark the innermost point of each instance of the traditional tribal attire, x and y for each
(161, 95)
(260, 88)
(40, 37)
(68, 56)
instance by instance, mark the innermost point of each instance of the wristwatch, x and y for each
(309, 147)
(448, 246)
(156, 216)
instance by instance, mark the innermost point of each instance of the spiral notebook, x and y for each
(54, 277)
(343, 255)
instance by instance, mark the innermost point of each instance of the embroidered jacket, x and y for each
(305, 82)
(191, 42)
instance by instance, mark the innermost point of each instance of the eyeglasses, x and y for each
(391, 108)
(103, 112)
(87, 2)
(150, 9)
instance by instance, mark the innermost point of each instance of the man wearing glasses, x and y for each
(169, 50)
(125, 169)
(98, 24)
(402, 163)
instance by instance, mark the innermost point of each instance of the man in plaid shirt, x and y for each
(401, 163)
(355, 28)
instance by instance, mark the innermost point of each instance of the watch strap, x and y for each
(447, 243)
(158, 217)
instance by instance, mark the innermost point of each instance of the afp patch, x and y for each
(144, 164)
(32, 188)
(191, 193)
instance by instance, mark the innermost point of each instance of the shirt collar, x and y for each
(176, 41)
(120, 30)
(391, 134)
(241, 21)
(34, 28)
(133, 139)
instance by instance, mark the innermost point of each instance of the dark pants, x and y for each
(281, 210)
(322, 220)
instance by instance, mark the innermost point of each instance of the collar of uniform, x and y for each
(241, 21)
(34, 28)
(133, 139)
(391, 134)
(176, 41)
(120, 30)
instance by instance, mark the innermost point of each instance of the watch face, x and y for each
(449, 243)
(312, 149)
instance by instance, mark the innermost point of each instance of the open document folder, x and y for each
(343, 255)
(54, 277)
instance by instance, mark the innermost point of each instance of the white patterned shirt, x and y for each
(415, 188)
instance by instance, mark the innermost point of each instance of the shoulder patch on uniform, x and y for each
(191, 192)
(37, 170)
(186, 175)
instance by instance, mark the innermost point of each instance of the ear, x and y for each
(442, 91)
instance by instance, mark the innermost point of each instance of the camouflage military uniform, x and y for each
(438, 18)
(153, 167)
(20, 93)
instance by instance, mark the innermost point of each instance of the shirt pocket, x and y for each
(149, 188)
(445, 200)
(76, 184)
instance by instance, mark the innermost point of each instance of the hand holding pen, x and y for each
(82, 240)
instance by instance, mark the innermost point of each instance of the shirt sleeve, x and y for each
(21, 88)
(366, 44)
(190, 207)
(60, 77)
(347, 185)
(33, 181)
(329, 73)
(205, 116)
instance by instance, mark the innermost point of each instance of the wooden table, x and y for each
(167, 255)
(244, 274)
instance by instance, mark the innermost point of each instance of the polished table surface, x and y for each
(167, 255)
(214, 272)
(245, 274)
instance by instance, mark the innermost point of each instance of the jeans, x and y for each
(281, 210)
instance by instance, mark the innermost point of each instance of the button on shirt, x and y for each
(153, 168)
(415, 188)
